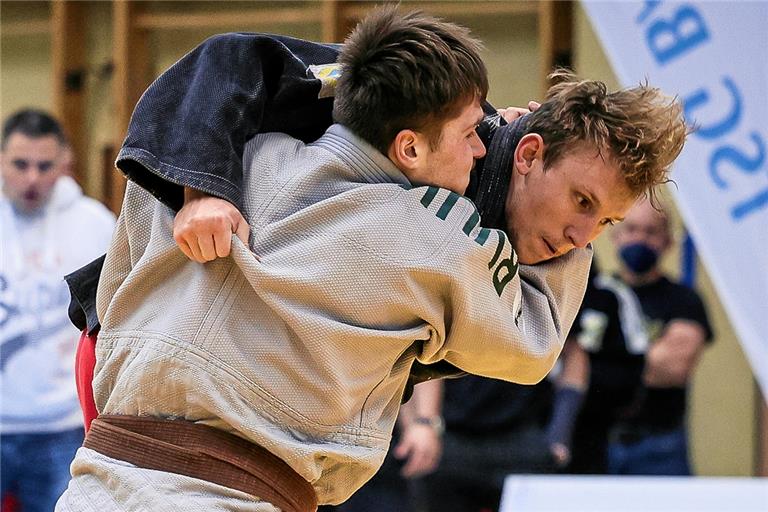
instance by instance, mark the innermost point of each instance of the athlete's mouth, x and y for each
(549, 246)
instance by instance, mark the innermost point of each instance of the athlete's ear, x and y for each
(408, 151)
(529, 153)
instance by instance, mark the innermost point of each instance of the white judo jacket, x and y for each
(303, 342)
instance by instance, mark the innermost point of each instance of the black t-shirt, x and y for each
(615, 369)
(616, 372)
(664, 301)
(477, 405)
(616, 393)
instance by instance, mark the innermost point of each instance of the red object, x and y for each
(9, 503)
(85, 362)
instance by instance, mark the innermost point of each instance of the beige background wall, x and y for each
(25, 59)
(723, 409)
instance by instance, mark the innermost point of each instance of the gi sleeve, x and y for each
(190, 126)
(503, 320)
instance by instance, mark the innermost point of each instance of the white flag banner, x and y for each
(714, 56)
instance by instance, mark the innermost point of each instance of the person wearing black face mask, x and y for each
(639, 257)
(636, 342)
(650, 436)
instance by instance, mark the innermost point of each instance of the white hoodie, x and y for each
(37, 341)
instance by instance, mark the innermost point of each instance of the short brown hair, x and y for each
(406, 71)
(640, 128)
(33, 123)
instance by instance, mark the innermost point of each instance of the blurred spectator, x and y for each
(48, 228)
(634, 418)
(651, 436)
(604, 356)
(493, 429)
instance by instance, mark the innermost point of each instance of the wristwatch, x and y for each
(436, 422)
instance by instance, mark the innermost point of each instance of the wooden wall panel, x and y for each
(69, 74)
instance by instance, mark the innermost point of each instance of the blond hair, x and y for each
(639, 128)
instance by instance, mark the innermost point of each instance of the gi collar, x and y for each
(494, 172)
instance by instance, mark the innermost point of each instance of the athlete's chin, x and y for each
(526, 257)
(530, 260)
(461, 188)
(531, 254)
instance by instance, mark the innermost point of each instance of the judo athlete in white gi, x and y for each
(302, 344)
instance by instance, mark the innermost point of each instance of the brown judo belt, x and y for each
(200, 451)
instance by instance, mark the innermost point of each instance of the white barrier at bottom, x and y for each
(538, 493)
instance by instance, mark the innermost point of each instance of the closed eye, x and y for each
(45, 166)
(20, 164)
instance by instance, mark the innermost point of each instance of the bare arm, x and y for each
(575, 366)
(671, 359)
(421, 442)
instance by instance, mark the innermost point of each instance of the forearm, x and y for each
(673, 356)
(421, 425)
(428, 399)
(570, 389)
(576, 366)
(427, 402)
(565, 410)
